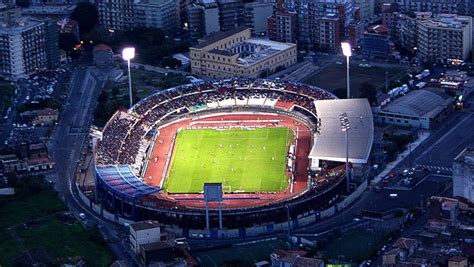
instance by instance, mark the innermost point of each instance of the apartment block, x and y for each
(117, 14)
(444, 38)
(161, 14)
(22, 49)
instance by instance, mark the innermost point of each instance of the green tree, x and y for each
(368, 91)
(170, 62)
(23, 3)
(86, 15)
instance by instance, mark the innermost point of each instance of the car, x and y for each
(82, 216)
(393, 196)
(356, 219)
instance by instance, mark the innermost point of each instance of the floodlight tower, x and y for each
(128, 54)
(346, 50)
(345, 126)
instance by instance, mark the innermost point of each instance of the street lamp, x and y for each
(345, 126)
(346, 50)
(128, 53)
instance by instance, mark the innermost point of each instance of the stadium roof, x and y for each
(121, 179)
(329, 143)
(419, 103)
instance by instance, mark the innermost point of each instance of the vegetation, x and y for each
(248, 160)
(115, 94)
(7, 92)
(153, 46)
(86, 15)
(33, 219)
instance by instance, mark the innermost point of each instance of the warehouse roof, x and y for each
(419, 103)
(329, 143)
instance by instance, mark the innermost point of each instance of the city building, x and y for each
(46, 117)
(443, 208)
(52, 43)
(161, 254)
(463, 175)
(399, 251)
(445, 38)
(69, 26)
(207, 16)
(203, 18)
(457, 261)
(161, 14)
(322, 24)
(116, 14)
(282, 27)
(22, 49)
(389, 16)
(55, 12)
(103, 56)
(366, 8)
(236, 54)
(435, 6)
(256, 14)
(376, 42)
(418, 109)
(144, 232)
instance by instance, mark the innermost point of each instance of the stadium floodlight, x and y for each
(345, 126)
(128, 54)
(347, 51)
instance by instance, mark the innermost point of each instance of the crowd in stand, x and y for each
(123, 133)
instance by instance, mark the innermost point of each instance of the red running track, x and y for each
(162, 150)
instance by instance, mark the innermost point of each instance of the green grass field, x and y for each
(244, 160)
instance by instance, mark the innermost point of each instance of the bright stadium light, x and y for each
(347, 51)
(128, 54)
(345, 126)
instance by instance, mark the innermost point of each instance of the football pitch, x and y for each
(243, 160)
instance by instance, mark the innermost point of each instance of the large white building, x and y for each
(145, 232)
(236, 53)
(418, 109)
(463, 175)
(22, 49)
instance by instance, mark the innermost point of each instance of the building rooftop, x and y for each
(144, 225)
(20, 27)
(217, 36)
(420, 103)
(330, 141)
(447, 21)
(466, 156)
(155, 246)
(404, 243)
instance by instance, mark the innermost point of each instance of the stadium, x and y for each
(276, 148)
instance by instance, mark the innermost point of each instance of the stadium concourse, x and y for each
(134, 152)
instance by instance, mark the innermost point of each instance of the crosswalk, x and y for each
(436, 168)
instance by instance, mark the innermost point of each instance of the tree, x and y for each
(368, 91)
(23, 3)
(340, 93)
(67, 42)
(170, 62)
(86, 15)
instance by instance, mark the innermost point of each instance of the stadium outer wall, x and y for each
(303, 210)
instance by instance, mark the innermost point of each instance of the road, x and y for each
(66, 144)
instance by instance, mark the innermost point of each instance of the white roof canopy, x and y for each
(329, 143)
